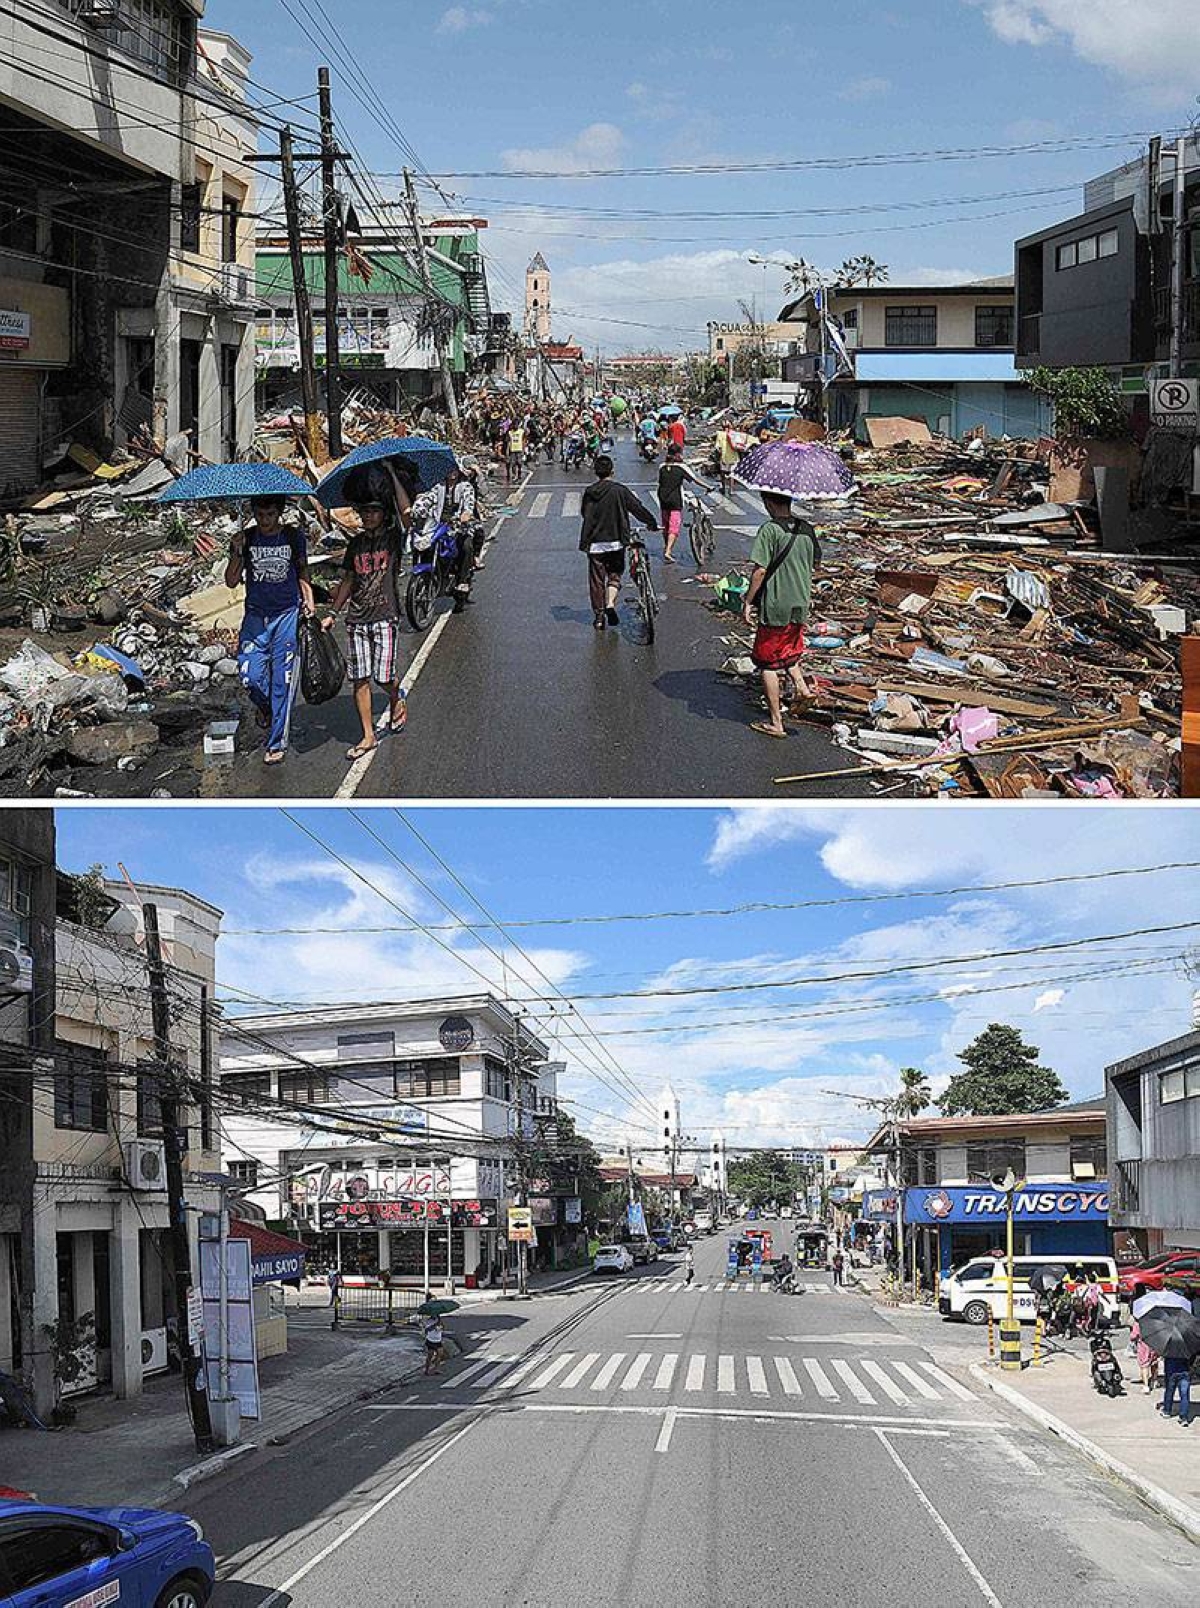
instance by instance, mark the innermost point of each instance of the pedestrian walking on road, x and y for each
(784, 556)
(435, 1344)
(689, 1264)
(670, 498)
(607, 509)
(1147, 1360)
(272, 559)
(335, 1285)
(1177, 1380)
(514, 465)
(839, 1266)
(368, 584)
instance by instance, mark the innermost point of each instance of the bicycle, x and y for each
(639, 574)
(701, 534)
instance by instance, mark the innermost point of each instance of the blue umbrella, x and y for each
(219, 482)
(433, 461)
(671, 411)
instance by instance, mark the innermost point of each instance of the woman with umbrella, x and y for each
(1170, 1329)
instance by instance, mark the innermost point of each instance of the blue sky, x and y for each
(504, 85)
(753, 1063)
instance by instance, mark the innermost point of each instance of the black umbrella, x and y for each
(1171, 1332)
(1045, 1279)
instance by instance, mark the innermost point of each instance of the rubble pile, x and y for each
(970, 635)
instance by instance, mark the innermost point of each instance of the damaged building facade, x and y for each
(126, 257)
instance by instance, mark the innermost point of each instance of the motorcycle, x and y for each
(573, 453)
(434, 568)
(1107, 1377)
(648, 449)
(785, 1285)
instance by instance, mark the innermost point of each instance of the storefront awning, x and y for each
(274, 1259)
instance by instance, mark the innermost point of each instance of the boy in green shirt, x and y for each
(784, 556)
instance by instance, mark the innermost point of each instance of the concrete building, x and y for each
(385, 345)
(1094, 290)
(538, 308)
(779, 338)
(1153, 1101)
(947, 1169)
(440, 1079)
(95, 1169)
(124, 301)
(942, 353)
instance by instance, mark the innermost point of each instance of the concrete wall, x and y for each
(1090, 314)
(955, 320)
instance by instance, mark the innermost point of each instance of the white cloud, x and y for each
(1152, 46)
(865, 89)
(598, 145)
(1049, 999)
(458, 19)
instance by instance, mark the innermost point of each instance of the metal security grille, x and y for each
(20, 421)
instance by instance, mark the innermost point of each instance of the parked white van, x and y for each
(980, 1286)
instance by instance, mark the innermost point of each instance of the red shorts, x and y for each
(673, 522)
(778, 647)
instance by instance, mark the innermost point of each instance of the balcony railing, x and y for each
(1127, 1191)
(1191, 312)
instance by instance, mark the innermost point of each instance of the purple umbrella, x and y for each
(801, 469)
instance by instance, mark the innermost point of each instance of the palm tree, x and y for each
(914, 1093)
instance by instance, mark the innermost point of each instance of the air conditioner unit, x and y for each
(100, 13)
(16, 969)
(154, 1351)
(235, 282)
(146, 1164)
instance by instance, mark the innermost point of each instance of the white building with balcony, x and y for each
(386, 1137)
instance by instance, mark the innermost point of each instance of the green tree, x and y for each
(763, 1176)
(1087, 404)
(914, 1094)
(1002, 1077)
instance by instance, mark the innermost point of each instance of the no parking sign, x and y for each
(1175, 404)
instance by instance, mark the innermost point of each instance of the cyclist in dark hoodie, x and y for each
(607, 509)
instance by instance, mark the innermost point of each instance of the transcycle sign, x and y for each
(1175, 404)
(971, 1204)
(520, 1224)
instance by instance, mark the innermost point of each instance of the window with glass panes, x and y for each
(1089, 1157)
(245, 1172)
(429, 1079)
(80, 1087)
(310, 1086)
(247, 1085)
(993, 326)
(986, 1162)
(16, 900)
(910, 326)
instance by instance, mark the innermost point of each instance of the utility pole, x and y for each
(331, 218)
(522, 1161)
(431, 296)
(304, 324)
(174, 1138)
(1178, 264)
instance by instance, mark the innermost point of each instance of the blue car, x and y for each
(75, 1557)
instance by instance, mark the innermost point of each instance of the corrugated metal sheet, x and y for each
(20, 428)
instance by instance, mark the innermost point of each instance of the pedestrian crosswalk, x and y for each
(861, 1381)
(566, 505)
(729, 1287)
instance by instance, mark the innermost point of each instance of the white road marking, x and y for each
(1014, 1453)
(846, 1373)
(655, 1336)
(888, 1386)
(490, 1378)
(465, 1373)
(821, 1379)
(521, 1370)
(667, 1430)
(678, 1286)
(605, 1377)
(842, 1419)
(757, 1377)
(988, 1595)
(666, 1371)
(540, 506)
(787, 1377)
(921, 1386)
(695, 1373)
(572, 505)
(946, 1382)
(580, 1368)
(280, 1594)
(552, 1372)
(725, 1382)
(636, 1369)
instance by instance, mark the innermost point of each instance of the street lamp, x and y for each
(1010, 1329)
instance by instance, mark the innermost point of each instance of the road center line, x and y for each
(988, 1595)
(667, 1430)
(279, 1595)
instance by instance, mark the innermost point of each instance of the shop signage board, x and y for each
(637, 1220)
(520, 1224)
(277, 1267)
(456, 1034)
(1175, 405)
(354, 1215)
(545, 1213)
(16, 330)
(879, 1205)
(195, 1315)
(573, 1210)
(243, 1353)
(976, 1203)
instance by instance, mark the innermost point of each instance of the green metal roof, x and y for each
(394, 276)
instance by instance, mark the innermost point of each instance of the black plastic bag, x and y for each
(322, 667)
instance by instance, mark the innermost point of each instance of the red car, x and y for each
(1135, 1281)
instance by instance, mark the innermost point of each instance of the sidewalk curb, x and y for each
(1179, 1513)
(187, 1477)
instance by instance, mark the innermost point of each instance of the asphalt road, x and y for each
(638, 1442)
(520, 697)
